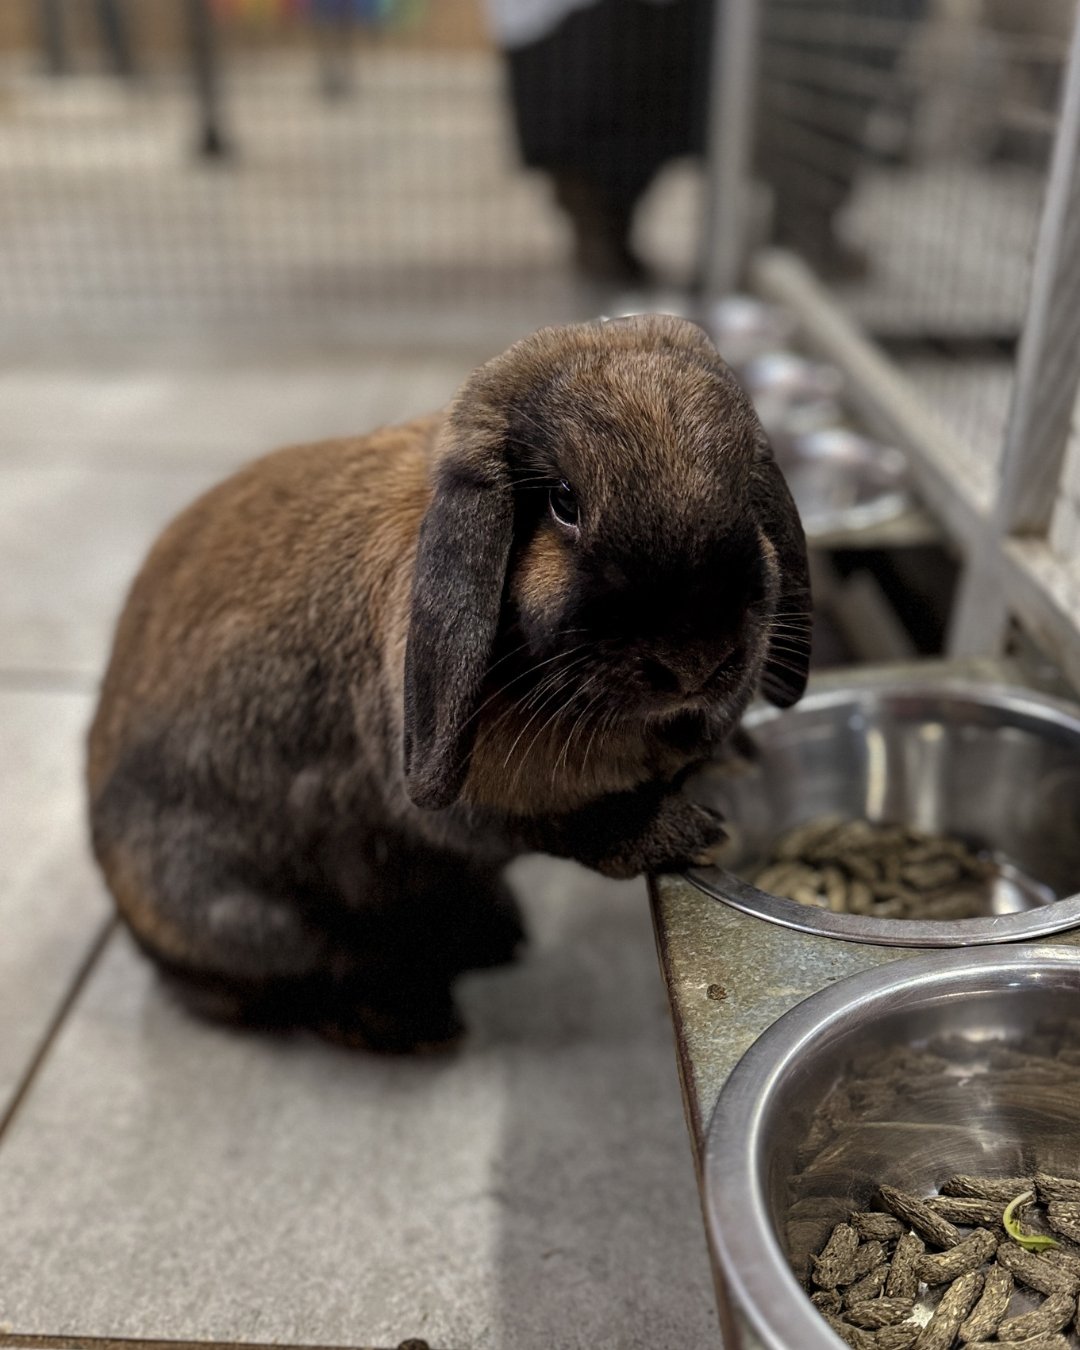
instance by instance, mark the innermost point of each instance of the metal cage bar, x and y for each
(1048, 369)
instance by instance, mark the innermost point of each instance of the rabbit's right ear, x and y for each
(457, 596)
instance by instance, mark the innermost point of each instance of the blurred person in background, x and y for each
(113, 22)
(604, 94)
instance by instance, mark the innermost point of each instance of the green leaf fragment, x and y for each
(1032, 1242)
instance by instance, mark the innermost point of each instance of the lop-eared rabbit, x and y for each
(354, 680)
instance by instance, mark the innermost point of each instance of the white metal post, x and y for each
(1048, 369)
(730, 142)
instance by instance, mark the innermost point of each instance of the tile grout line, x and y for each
(36, 1341)
(55, 1027)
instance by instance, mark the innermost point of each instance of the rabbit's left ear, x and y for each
(456, 602)
(787, 660)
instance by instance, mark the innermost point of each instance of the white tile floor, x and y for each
(166, 1179)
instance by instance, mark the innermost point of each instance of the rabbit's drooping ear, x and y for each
(787, 661)
(456, 601)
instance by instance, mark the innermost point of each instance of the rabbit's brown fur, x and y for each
(355, 679)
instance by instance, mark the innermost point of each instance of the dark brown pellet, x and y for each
(1051, 1342)
(902, 1337)
(1035, 1271)
(880, 1312)
(993, 1304)
(1056, 1188)
(1063, 1216)
(902, 1281)
(965, 1210)
(967, 1255)
(1050, 1316)
(853, 1336)
(988, 1188)
(833, 1266)
(826, 1301)
(868, 1287)
(868, 1256)
(937, 1231)
(873, 1224)
(1005, 1057)
(957, 1301)
(1067, 1257)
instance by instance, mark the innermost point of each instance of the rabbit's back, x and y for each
(263, 605)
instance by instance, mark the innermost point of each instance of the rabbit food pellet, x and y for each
(886, 871)
(873, 1268)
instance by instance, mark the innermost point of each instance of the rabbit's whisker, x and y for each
(523, 675)
(553, 677)
(518, 704)
(560, 708)
(563, 755)
(554, 693)
(552, 697)
(604, 723)
(787, 665)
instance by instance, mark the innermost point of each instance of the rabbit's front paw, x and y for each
(682, 833)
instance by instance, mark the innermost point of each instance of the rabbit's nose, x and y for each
(687, 672)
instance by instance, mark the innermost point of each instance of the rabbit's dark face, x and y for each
(610, 533)
(641, 573)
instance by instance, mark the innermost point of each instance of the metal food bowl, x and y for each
(994, 767)
(792, 395)
(771, 1201)
(843, 481)
(744, 327)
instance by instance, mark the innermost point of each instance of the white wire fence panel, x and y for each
(377, 183)
(906, 145)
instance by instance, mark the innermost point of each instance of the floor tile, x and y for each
(52, 904)
(70, 543)
(175, 418)
(169, 1178)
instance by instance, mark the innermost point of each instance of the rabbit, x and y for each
(354, 680)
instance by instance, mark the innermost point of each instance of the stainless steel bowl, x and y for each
(792, 377)
(744, 327)
(996, 767)
(768, 1208)
(792, 395)
(843, 481)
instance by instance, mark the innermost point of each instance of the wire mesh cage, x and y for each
(905, 145)
(165, 163)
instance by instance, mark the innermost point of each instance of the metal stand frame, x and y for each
(730, 144)
(996, 503)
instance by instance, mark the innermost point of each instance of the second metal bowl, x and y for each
(996, 767)
(843, 481)
(769, 1207)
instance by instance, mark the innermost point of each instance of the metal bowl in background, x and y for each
(843, 481)
(792, 394)
(995, 767)
(744, 327)
(769, 1205)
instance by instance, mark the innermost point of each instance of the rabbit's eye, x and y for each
(563, 504)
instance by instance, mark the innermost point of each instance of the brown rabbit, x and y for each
(355, 679)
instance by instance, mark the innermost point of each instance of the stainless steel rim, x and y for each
(752, 1260)
(892, 499)
(731, 890)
